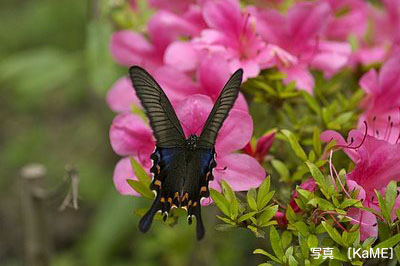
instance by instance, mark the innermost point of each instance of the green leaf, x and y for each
(290, 214)
(220, 201)
(332, 232)
(382, 205)
(141, 188)
(322, 204)
(226, 220)
(319, 229)
(251, 199)
(265, 200)
(231, 198)
(312, 102)
(262, 196)
(227, 191)
(265, 253)
(317, 141)
(225, 227)
(302, 228)
(388, 243)
(343, 118)
(292, 261)
(318, 177)
(281, 168)
(246, 216)
(140, 173)
(267, 215)
(305, 250)
(384, 231)
(390, 195)
(349, 203)
(286, 239)
(397, 252)
(312, 241)
(294, 143)
(339, 255)
(305, 193)
(256, 231)
(276, 242)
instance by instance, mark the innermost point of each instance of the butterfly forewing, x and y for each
(163, 120)
(220, 111)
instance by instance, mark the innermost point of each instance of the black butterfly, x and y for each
(182, 168)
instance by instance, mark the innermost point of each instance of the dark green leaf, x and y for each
(276, 242)
(294, 143)
(140, 188)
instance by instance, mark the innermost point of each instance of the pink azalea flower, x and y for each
(130, 136)
(231, 35)
(132, 48)
(211, 75)
(376, 165)
(262, 147)
(383, 35)
(387, 23)
(176, 6)
(280, 217)
(121, 96)
(349, 17)
(383, 100)
(299, 34)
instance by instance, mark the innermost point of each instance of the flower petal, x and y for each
(193, 113)
(165, 27)
(181, 55)
(235, 133)
(129, 48)
(176, 84)
(121, 96)
(130, 135)
(301, 75)
(377, 165)
(123, 171)
(369, 81)
(367, 221)
(242, 172)
(306, 19)
(213, 73)
(329, 135)
(331, 56)
(224, 16)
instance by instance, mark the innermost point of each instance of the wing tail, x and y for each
(147, 219)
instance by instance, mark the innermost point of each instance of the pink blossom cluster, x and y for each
(191, 47)
(375, 150)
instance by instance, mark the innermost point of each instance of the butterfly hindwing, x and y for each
(163, 120)
(220, 110)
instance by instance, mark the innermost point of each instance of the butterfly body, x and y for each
(182, 167)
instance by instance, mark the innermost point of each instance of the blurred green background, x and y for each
(55, 69)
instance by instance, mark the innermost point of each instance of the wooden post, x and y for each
(37, 238)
